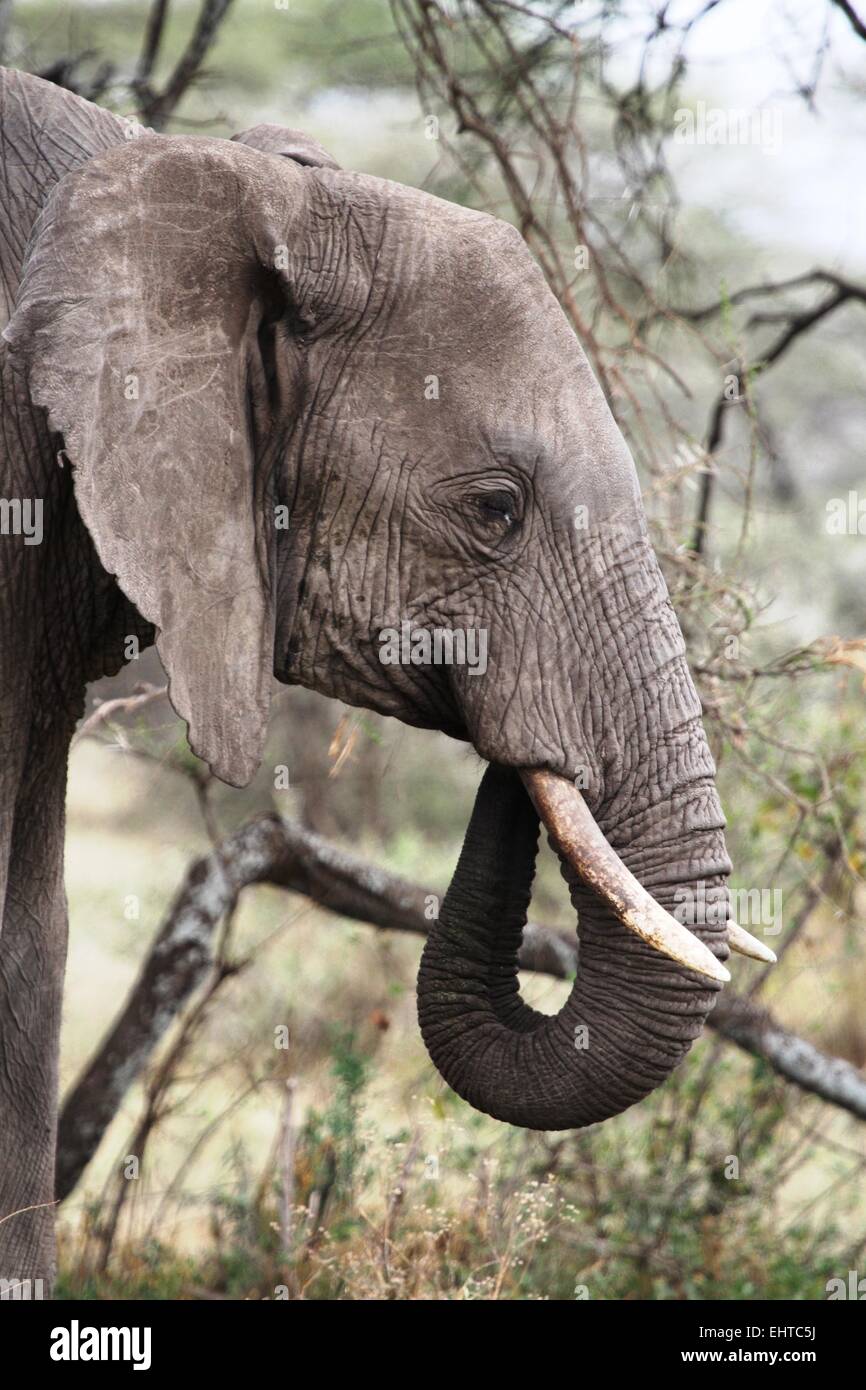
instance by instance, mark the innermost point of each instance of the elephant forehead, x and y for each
(465, 349)
(450, 267)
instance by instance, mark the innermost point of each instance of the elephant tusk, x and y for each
(579, 840)
(747, 945)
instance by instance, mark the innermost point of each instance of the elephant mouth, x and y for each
(582, 845)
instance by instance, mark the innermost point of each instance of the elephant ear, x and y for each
(290, 144)
(150, 274)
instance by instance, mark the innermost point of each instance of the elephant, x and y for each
(260, 410)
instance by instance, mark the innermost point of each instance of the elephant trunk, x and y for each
(632, 1012)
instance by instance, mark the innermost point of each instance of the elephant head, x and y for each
(305, 409)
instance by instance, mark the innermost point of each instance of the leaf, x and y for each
(343, 742)
(851, 652)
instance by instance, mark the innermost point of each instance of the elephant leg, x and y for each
(32, 961)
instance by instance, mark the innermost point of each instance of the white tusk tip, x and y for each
(748, 945)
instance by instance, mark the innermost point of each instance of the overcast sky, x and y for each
(810, 194)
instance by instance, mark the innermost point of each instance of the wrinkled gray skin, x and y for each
(208, 329)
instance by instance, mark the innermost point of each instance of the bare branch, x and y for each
(158, 107)
(271, 850)
(852, 17)
(143, 694)
(796, 282)
(796, 324)
(150, 48)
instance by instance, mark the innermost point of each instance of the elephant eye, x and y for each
(499, 507)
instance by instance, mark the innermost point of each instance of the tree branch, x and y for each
(157, 107)
(150, 48)
(154, 107)
(796, 324)
(852, 17)
(271, 850)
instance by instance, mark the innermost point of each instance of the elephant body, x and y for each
(203, 337)
(61, 623)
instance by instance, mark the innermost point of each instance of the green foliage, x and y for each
(332, 1142)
